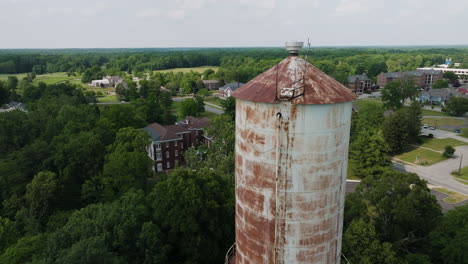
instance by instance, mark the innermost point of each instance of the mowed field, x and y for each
(48, 78)
(185, 70)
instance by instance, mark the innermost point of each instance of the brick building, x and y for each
(422, 78)
(211, 84)
(359, 83)
(168, 143)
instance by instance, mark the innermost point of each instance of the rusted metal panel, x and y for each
(294, 79)
(290, 179)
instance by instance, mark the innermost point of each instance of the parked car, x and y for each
(457, 131)
(425, 126)
(432, 128)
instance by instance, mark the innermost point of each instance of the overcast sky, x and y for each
(230, 23)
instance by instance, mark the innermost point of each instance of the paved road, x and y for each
(438, 133)
(111, 103)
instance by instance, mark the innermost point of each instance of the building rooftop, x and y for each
(169, 132)
(306, 83)
(362, 77)
(233, 85)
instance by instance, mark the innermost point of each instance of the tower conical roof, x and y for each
(295, 80)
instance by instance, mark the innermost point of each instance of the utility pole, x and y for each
(459, 167)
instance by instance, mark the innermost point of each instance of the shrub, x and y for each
(430, 135)
(449, 151)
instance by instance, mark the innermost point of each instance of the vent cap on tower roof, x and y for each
(294, 47)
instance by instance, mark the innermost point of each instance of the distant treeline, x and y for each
(338, 62)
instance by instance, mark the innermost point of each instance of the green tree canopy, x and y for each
(450, 236)
(401, 207)
(439, 84)
(395, 94)
(395, 132)
(195, 211)
(457, 106)
(369, 154)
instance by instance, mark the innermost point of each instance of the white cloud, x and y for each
(176, 10)
(351, 7)
(263, 4)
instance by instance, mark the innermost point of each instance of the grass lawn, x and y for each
(108, 99)
(213, 100)
(426, 157)
(443, 121)
(363, 102)
(426, 112)
(463, 176)
(454, 197)
(4, 77)
(196, 69)
(464, 133)
(440, 143)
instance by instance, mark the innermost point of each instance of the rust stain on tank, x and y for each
(319, 88)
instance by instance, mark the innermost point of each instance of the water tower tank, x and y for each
(292, 135)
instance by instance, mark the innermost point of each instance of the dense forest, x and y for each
(76, 184)
(338, 62)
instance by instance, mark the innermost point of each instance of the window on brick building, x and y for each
(168, 165)
(159, 167)
(167, 154)
(176, 153)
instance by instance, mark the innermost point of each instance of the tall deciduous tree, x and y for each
(401, 206)
(361, 245)
(457, 106)
(396, 93)
(439, 84)
(369, 154)
(450, 236)
(196, 213)
(395, 132)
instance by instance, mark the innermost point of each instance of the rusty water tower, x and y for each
(292, 136)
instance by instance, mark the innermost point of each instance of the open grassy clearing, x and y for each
(364, 102)
(439, 144)
(426, 157)
(195, 69)
(436, 122)
(454, 197)
(463, 176)
(4, 76)
(426, 112)
(464, 132)
(108, 99)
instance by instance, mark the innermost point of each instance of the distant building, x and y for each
(459, 72)
(226, 90)
(438, 96)
(211, 84)
(422, 78)
(168, 143)
(13, 106)
(109, 81)
(359, 83)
